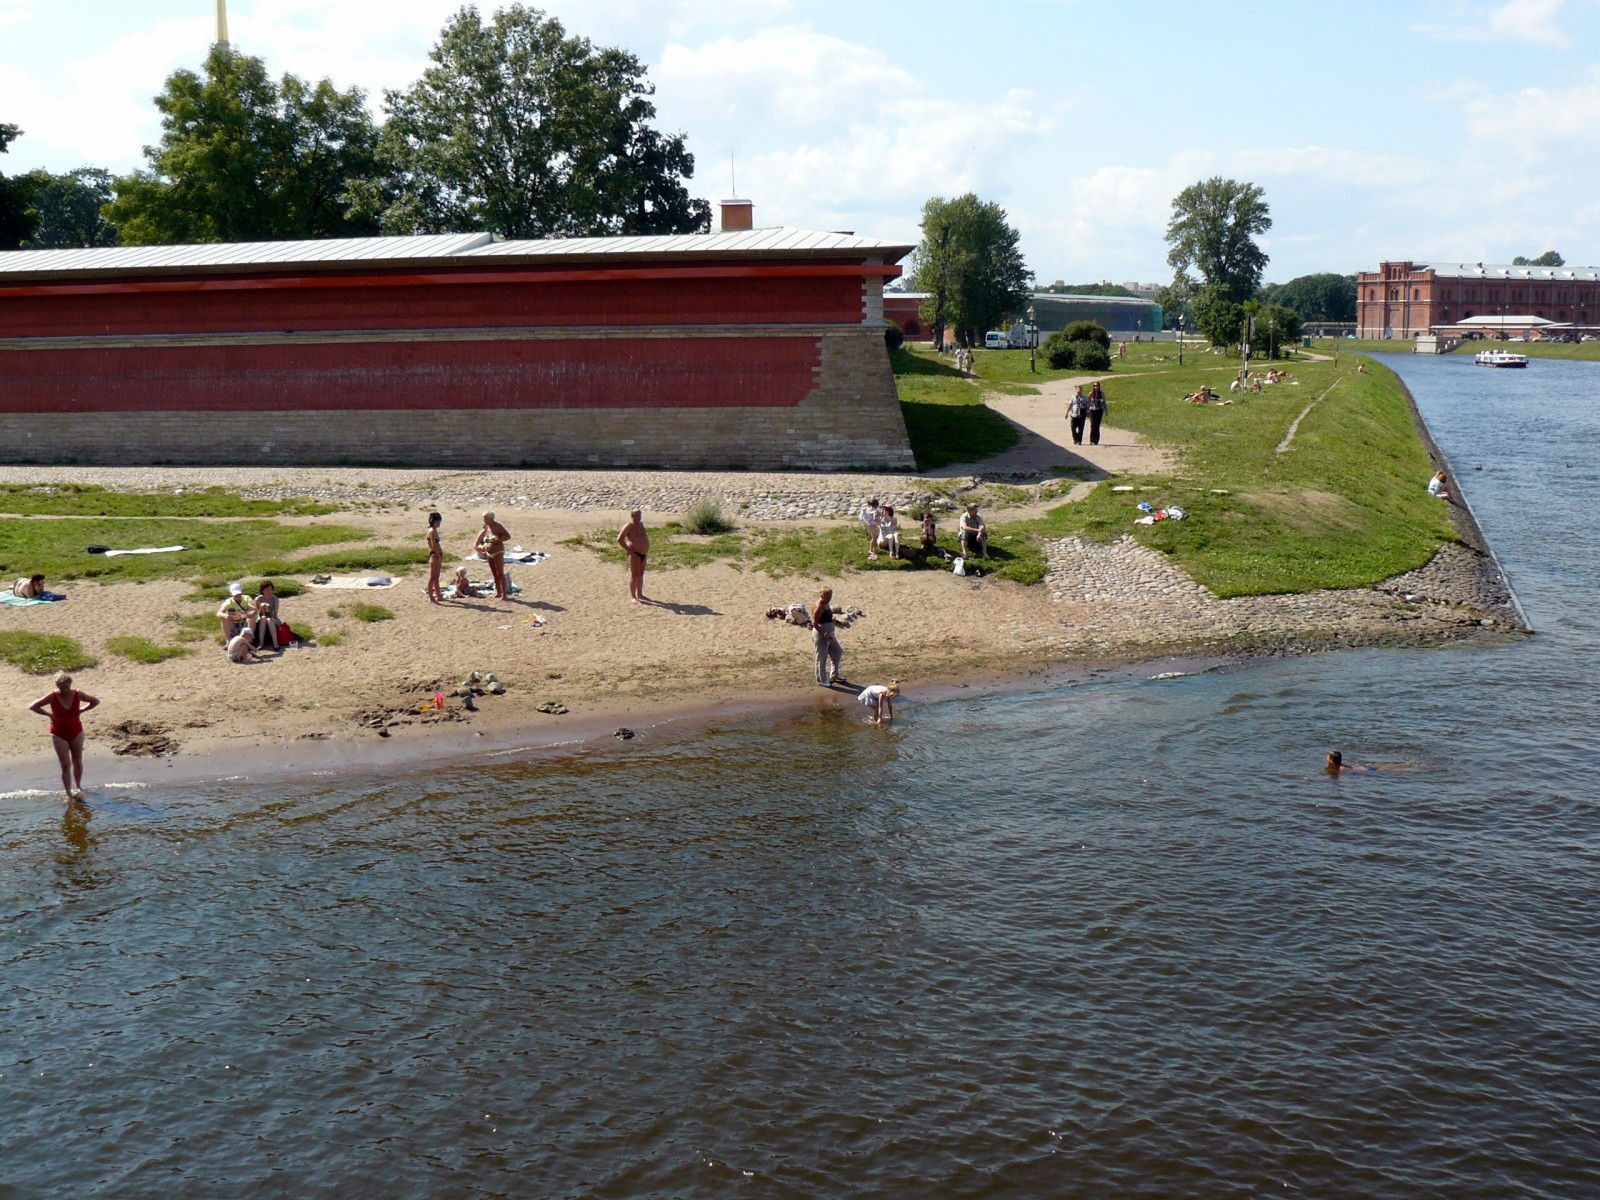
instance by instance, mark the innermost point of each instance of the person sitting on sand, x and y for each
(65, 707)
(974, 533)
(889, 531)
(879, 698)
(31, 588)
(236, 611)
(1439, 486)
(242, 646)
(462, 588)
(930, 533)
(264, 622)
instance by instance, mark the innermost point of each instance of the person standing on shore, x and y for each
(636, 541)
(435, 558)
(65, 707)
(491, 547)
(869, 518)
(826, 637)
(1097, 412)
(1077, 414)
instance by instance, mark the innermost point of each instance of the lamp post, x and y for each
(1033, 337)
(1180, 339)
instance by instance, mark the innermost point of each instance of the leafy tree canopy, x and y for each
(1176, 300)
(1213, 230)
(243, 158)
(70, 209)
(970, 263)
(1548, 259)
(1218, 316)
(1276, 326)
(1087, 289)
(521, 129)
(17, 216)
(1321, 297)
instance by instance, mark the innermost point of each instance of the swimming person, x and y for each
(435, 558)
(636, 541)
(65, 707)
(880, 699)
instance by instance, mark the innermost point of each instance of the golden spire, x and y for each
(222, 22)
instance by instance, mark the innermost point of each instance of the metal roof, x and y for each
(383, 251)
(1498, 271)
(240, 254)
(776, 239)
(1080, 297)
(1508, 319)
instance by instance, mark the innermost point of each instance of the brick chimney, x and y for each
(737, 215)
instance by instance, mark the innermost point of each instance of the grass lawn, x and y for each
(143, 650)
(84, 500)
(944, 411)
(999, 368)
(42, 653)
(1342, 507)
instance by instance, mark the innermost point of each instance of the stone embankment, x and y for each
(1126, 595)
(774, 496)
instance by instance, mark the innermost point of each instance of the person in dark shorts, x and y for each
(636, 541)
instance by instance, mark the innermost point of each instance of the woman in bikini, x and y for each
(491, 547)
(435, 559)
(65, 707)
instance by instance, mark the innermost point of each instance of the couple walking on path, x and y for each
(1090, 408)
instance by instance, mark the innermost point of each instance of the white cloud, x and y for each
(1532, 22)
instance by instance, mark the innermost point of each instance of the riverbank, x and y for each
(578, 660)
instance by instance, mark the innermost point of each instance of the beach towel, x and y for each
(147, 550)
(515, 555)
(484, 587)
(10, 597)
(359, 582)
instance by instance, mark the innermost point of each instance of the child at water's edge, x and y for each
(879, 698)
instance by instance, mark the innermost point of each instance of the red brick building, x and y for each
(905, 310)
(1404, 299)
(746, 347)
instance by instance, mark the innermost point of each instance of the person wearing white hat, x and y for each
(236, 610)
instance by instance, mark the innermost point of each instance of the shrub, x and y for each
(705, 516)
(1091, 356)
(894, 337)
(42, 653)
(141, 649)
(1087, 331)
(363, 611)
(1061, 354)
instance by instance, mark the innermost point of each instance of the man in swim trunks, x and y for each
(636, 542)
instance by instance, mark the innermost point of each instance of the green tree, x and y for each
(520, 129)
(1176, 300)
(1276, 327)
(17, 215)
(243, 158)
(1321, 297)
(1213, 230)
(1088, 331)
(1548, 259)
(1218, 316)
(70, 209)
(1086, 289)
(970, 263)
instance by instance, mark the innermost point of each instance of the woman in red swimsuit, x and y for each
(65, 707)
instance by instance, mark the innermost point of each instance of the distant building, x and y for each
(905, 310)
(1406, 299)
(1116, 314)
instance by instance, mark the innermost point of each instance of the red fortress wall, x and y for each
(675, 362)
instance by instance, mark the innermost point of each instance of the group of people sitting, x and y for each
(1254, 381)
(251, 627)
(883, 532)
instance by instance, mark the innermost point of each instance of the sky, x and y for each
(1450, 130)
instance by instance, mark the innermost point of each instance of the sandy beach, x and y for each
(572, 640)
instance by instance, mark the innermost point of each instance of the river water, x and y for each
(1121, 938)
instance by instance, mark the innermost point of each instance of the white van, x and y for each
(997, 339)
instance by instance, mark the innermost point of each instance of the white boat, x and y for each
(1499, 358)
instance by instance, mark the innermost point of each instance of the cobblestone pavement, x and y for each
(1121, 594)
(779, 496)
